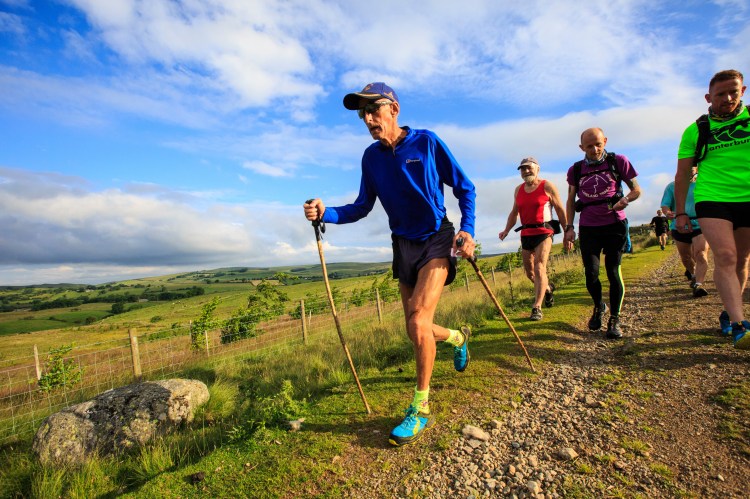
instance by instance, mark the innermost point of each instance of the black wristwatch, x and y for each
(568, 227)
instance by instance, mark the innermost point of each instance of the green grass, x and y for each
(239, 439)
(734, 423)
(637, 447)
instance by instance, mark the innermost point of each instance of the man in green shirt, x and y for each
(722, 196)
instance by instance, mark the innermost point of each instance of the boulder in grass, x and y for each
(117, 420)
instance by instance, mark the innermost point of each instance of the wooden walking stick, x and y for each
(320, 228)
(473, 262)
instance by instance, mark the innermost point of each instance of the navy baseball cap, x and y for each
(373, 91)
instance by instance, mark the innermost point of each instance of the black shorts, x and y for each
(685, 238)
(608, 238)
(529, 243)
(410, 256)
(737, 213)
(659, 231)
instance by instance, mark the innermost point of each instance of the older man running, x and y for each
(533, 202)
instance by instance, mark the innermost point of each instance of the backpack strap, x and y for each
(612, 164)
(577, 174)
(704, 133)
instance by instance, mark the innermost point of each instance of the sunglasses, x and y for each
(371, 108)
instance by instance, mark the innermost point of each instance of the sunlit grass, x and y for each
(243, 423)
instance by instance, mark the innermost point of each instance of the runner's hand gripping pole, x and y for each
(473, 261)
(320, 228)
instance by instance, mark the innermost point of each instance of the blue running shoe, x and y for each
(461, 355)
(726, 325)
(741, 335)
(411, 428)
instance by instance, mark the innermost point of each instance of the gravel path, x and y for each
(635, 418)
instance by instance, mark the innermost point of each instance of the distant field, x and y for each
(42, 320)
(93, 322)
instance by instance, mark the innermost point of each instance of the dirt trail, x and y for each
(640, 414)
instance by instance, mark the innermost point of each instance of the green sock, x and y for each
(421, 400)
(456, 338)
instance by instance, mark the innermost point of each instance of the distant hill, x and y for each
(340, 270)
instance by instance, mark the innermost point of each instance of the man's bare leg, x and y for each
(541, 283)
(419, 305)
(742, 241)
(528, 263)
(700, 256)
(721, 238)
(686, 256)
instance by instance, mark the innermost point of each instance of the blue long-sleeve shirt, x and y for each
(409, 183)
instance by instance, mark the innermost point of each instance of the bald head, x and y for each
(589, 132)
(593, 142)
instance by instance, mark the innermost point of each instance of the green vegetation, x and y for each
(204, 322)
(240, 441)
(734, 422)
(58, 371)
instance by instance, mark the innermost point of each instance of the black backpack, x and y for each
(612, 163)
(704, 133)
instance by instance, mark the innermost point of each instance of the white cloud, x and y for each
(11, 24)
(256, 88)
(263, 168)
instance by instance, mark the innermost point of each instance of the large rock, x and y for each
(117, 419)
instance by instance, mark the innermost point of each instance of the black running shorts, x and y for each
(410, 256)
(529, 243)
(609, 239)
(737, 213)
(685, 238)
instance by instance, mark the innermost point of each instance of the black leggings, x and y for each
(611, 240)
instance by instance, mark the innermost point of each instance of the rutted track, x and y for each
(640, 414)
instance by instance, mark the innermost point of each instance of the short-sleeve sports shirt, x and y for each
(725, 171)
(597, 183)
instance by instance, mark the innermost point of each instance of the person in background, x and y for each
(533, 201)
(660, 225)
(717, 143)
(692, 246)
(596, 183)
(407, 169)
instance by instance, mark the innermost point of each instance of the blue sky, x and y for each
(145, 137)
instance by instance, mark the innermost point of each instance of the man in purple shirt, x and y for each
(596, 181)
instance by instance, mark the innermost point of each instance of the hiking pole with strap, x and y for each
(320, 228)
(473, 261)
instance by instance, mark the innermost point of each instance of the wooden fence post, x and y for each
(493, 277)
(377, 304)
(510, 281)
(304, 325)
(134, 353)
(37, 365)
(466, 280)
(205, 340)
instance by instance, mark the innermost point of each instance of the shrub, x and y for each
(58, 372)
(200, 326)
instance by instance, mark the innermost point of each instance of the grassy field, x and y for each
(239, 438)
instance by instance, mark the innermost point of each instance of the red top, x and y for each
(534, 208)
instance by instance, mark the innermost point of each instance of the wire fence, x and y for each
(89, 369)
